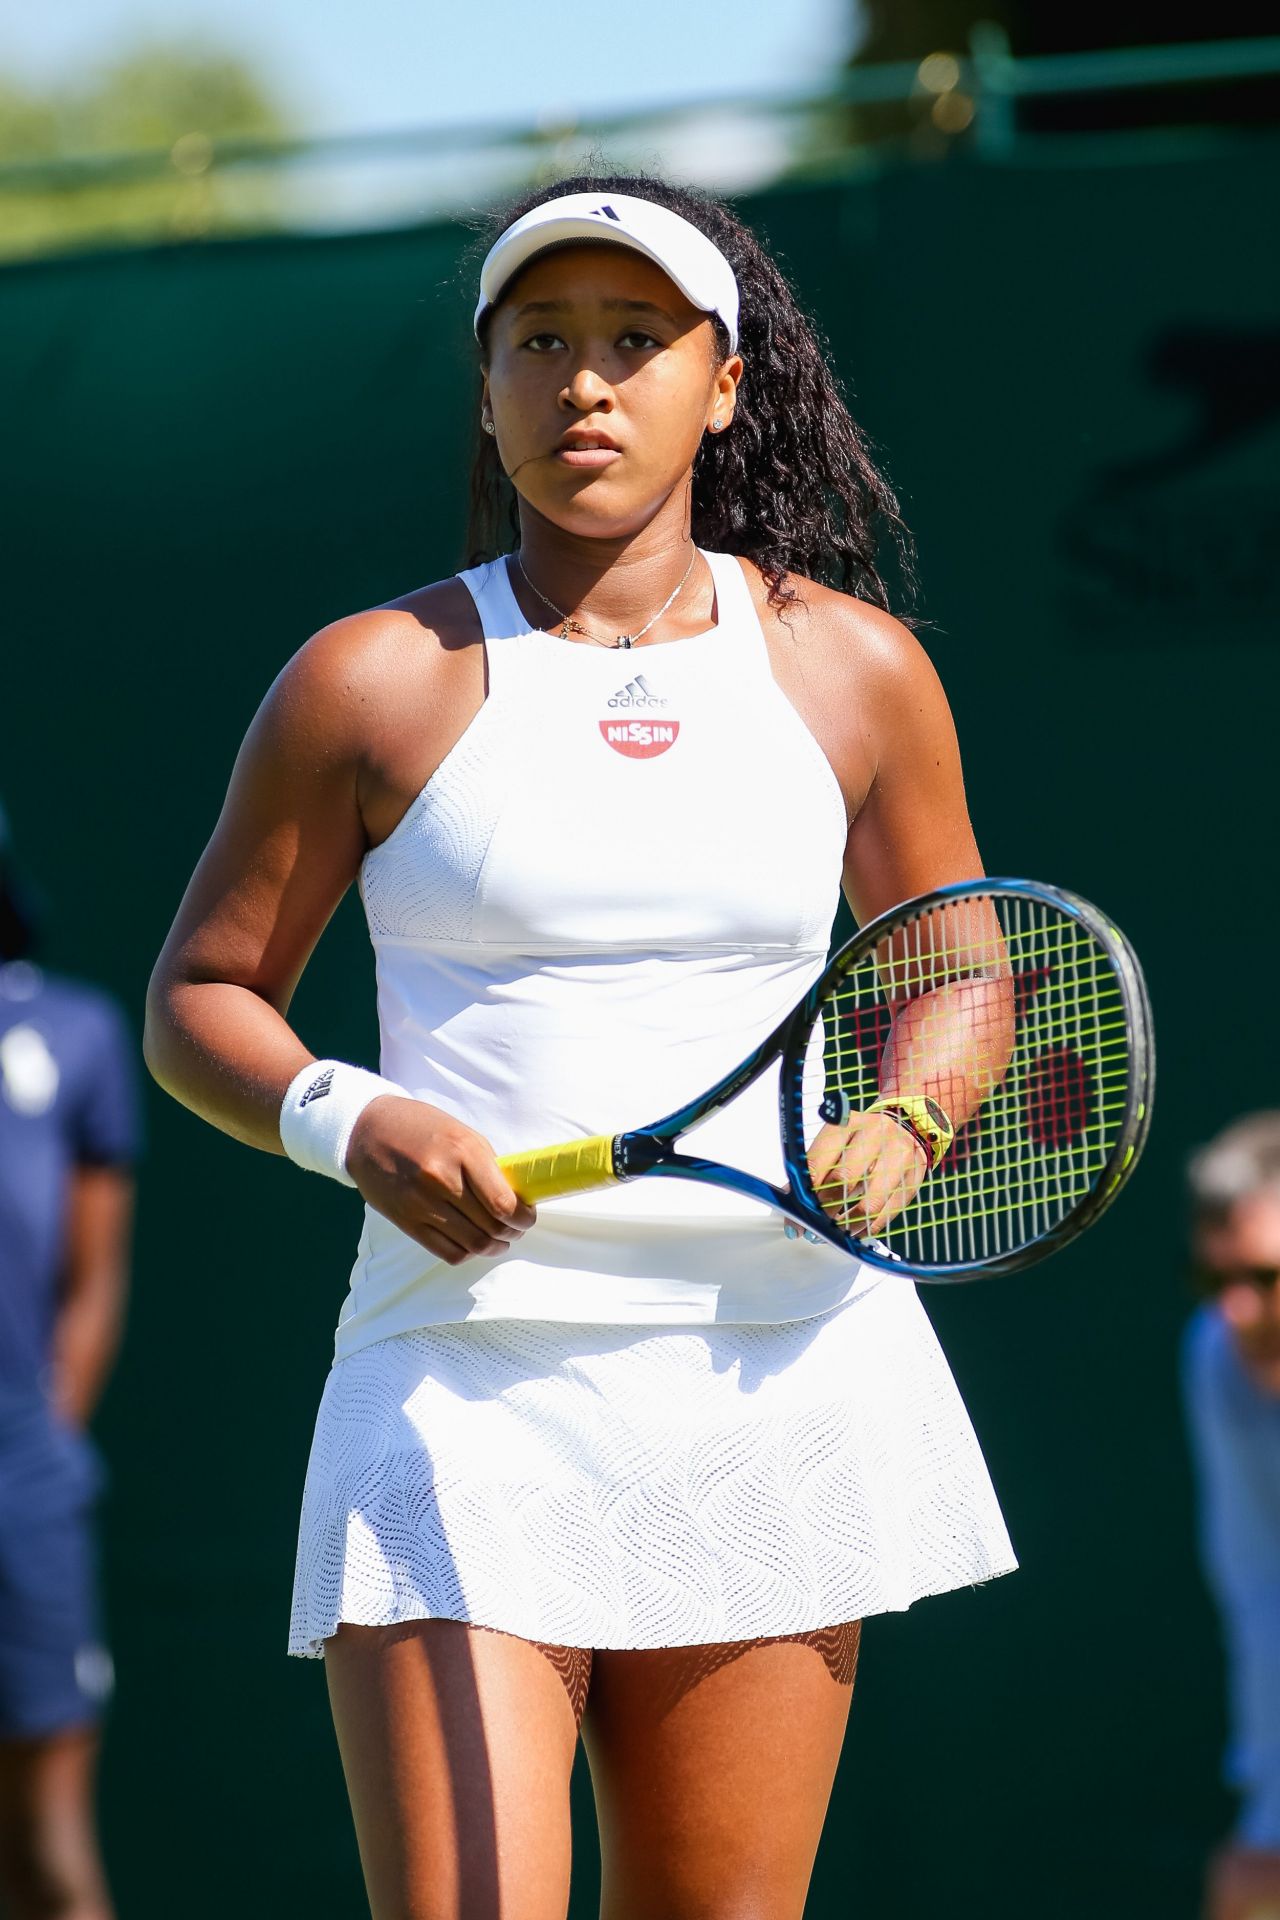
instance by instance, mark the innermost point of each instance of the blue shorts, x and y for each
(55, 1673)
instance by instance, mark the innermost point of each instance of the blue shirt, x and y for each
(68, 1099)
(1235, 1433)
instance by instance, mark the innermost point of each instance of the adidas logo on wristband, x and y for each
(318, 1088)
(321, 1106)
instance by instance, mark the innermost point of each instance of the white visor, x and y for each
(685, 255)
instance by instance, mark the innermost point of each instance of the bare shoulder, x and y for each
(850, 638)
(860, 680)
(362, 653)
(356, 677)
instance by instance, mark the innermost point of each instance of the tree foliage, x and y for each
(171, 100)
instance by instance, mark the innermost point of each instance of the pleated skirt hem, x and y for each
(630, 1488)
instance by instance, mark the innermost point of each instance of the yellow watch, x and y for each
(923, 1118)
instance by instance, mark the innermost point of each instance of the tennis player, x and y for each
(645, 1458)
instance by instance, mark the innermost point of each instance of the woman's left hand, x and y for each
(870, 1168)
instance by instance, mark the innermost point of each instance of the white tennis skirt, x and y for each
(607, 1486)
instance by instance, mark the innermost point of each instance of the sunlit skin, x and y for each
(951, 1039)
(595, 344)
(1240, 1248)
(457, 1744)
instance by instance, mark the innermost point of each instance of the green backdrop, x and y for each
(215, 450)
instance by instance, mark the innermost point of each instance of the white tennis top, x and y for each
(616, 883)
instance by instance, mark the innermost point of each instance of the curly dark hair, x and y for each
(793, 485)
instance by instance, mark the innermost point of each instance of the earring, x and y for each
(487, 425)
(716, 425)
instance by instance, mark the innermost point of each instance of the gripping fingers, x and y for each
(473, 1212)
(839, 1160)
(435, 1243)
(471, 1200)
(435, 1179)
(450, 1234)
(457, 1212)
(493, 1192)
(892, 1182)
(449, 1216)
(866, 1172)
(824, 1151)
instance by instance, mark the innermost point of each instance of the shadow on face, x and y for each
(593, 341)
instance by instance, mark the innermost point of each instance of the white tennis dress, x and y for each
(655, 1421)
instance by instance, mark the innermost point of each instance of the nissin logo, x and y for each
(640, 739)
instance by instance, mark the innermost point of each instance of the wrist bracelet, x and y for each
(923, 1119)
(320, 1110)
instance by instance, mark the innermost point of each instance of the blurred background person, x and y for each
(68, 1139)
(1232, 1386)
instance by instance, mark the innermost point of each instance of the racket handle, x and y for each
(576, 1167)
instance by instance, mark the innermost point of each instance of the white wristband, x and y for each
(320, 1111)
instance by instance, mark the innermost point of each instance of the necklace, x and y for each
(569, 625)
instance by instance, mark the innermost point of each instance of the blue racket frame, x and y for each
(651, 1150)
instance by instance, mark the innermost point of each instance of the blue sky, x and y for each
(394, 63)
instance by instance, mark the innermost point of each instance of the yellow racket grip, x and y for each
(575, 1167)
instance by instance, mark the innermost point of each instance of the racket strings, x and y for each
(1009, 1013)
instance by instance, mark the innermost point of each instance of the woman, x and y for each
(642, 1462)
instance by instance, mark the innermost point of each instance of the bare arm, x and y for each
(286, 847)
(949, 988)
(912, 831)
(91, 1305)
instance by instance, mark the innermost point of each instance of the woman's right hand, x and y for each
(435, 1179)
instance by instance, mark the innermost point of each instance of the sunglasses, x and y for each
(1211, 1280)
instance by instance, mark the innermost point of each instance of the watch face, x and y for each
(936, 1114)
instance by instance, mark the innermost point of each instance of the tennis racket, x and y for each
(966, 1088)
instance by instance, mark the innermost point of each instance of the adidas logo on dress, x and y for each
(639, 739)
(636, 693)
